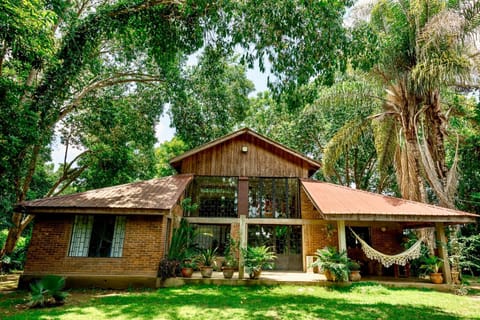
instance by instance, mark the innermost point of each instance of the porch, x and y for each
(271, 278)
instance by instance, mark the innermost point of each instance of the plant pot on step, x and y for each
(228, 272)
(187, 272)
(354, 275)
(329, 275)
(206, 272)
(436, 278)
(255, 273)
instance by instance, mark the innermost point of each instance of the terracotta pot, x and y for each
(330, 276)
(228, 272)
(255, 274)
(436, 278)
(187, 272)
(354, 275)
(206, 272)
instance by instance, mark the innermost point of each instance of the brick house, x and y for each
(246, 186)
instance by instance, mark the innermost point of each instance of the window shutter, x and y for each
(82, 230)
(118, 237)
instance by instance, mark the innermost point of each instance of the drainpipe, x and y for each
(443, 252)
(342, 238)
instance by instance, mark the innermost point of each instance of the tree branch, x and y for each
(117, 78)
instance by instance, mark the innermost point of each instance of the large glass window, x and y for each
(282, 239)
(97, 236)
(215, 196)
(211, 236)
(273, 198)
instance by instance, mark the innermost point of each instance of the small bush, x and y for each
(47, 292)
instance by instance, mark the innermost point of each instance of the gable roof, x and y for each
(148, 197)
(336, 202)
(312, 164)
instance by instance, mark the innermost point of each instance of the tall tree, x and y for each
(419, 49)
(213, 99)
(56, 54)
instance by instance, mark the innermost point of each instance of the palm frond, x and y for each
(386, 143)
(341, 142)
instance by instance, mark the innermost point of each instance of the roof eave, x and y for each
(398, 218)
(93, 210)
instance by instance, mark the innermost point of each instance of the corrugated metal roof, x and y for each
(155, 194)
(334, 200)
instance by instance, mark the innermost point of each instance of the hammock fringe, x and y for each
(386, 260)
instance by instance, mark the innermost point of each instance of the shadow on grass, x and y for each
(203, 302)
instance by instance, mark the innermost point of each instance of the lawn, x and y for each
(359, 301)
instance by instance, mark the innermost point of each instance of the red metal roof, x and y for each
(155, 194)
(344, 203)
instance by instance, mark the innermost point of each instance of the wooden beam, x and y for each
(342, 238)
(443, 252)
(243, 245)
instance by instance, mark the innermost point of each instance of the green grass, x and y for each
(359, 301)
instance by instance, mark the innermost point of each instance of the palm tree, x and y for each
(419, 49)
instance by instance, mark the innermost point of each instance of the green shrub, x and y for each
(16, 260)
(47, 291)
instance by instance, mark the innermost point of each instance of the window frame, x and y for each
(81, 236)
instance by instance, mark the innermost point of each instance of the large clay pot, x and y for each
(330, 276)
(187, 272)
(255, 274)
(354, 275)
(206, 272)
(228, 272)
(436, 278)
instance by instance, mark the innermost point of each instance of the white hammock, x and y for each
(387, 260)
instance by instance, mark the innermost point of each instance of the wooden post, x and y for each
(342, 238)
(243, 245)
(443, 252)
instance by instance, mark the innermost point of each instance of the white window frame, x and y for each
(82, 232)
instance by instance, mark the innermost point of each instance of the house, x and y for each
(246, 186)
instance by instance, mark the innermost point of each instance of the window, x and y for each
(273, 198)
(97, 236)
(215, 196)
(211, 236)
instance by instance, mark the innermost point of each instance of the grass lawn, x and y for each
(359, 301)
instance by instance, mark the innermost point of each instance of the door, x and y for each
(285, 240)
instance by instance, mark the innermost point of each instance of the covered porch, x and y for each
(384, 220)
(270, 278)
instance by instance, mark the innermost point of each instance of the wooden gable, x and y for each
(245, 153)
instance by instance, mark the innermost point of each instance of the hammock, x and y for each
(387, 260)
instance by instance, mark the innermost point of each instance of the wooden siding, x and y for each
(227, 159)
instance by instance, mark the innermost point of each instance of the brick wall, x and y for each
(142, 251)
(320, 234)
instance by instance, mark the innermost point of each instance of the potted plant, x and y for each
(257, 259)
(354, 271)
(333, 263)
(187, 267)
(431, 265)
(231, 263)
(207, 260)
